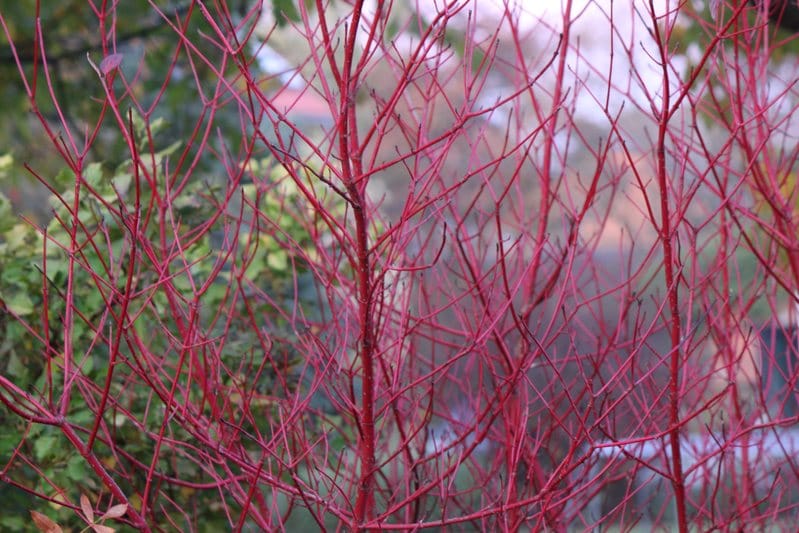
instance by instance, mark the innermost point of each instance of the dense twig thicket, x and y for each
(456, 265)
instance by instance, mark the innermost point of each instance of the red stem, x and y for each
(666, 235)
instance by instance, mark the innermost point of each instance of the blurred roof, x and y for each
(295, 98)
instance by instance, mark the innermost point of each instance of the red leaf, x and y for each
(110, 63)
(44, 524)
(116, 511)
(86, 507)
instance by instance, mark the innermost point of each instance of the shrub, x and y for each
(425, 276)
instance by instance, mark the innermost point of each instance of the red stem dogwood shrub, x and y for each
(409, 265)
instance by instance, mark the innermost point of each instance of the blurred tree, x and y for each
(784, 13)
(71, 34)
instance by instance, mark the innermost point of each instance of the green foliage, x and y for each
(266, 219)
(273, 244)
(285, 10)
(71, 31)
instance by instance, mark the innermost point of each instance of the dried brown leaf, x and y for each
(44, 524)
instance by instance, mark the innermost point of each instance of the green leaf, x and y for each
(278, 261)
(20, 303)
(76, 469)
(284, 11)
(8, 443)
(64, 179)
(121, 182)
(82, 417)
(6, 162)
(93, 175)
(166, 152)
(43, 447)
(157, 125)
(7, 218)
(20, 237)
(139, 126)
(18, 369)
(87, 366)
